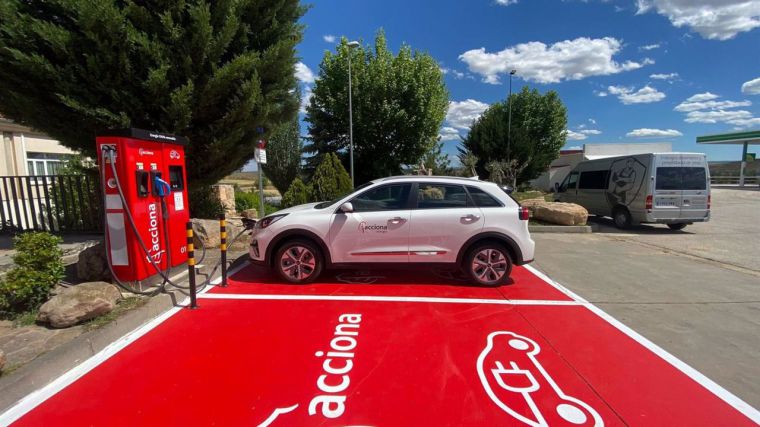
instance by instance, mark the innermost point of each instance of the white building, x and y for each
(568, 159)
(27, 152)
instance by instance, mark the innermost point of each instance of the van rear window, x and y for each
(681, 178)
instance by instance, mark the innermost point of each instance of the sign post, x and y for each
(260, 154)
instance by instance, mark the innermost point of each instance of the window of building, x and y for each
(38, 164)
(593, 180)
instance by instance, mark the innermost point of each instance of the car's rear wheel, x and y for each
(677, 227)
(298, 261)
(489, 264)
(621, 218)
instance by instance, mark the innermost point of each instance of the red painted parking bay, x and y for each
(391, 350)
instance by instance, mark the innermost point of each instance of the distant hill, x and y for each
(732, 168)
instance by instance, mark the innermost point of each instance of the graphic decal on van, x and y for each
(626, 181)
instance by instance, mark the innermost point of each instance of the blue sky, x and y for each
(627, 70)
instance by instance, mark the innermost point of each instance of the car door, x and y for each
(668, 187)
(443, 219)
(694, 187)
(568, 192)
(378, 228)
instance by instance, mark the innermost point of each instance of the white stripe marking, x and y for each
(725, 395)
(279, 297)
(33, 399)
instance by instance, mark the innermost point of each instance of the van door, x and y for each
(668, 184)
(567, 192)
(695, 188)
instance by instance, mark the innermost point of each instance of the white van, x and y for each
(662, 188)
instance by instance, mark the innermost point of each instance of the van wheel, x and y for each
(622, 218)
(298, 261)
(676, 227)
(488, 264)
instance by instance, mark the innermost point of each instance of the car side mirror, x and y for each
(347, 207)
(508, 189)
(556, 187)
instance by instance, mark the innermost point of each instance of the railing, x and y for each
(734, 180)
(55, 203)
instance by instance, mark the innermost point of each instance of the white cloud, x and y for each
(505, 2)
(668, 77)
(461, 114)
(688, 106)
(329, 38)
(304, 73)
(582, 134)
(600, 93)
(712, 19)
(752, 87)
(592, 121)
(628, 95)
(653, 133)
(454, 73)
(702, 97)
(305, 98)
(718, 116)
(449, 133)
(564, 60)
(650, 47)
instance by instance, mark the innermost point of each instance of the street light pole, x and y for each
(351, 45)
(509, 121)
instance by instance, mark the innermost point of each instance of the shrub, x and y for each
(298, 194)
(38, 269)
(204, 204)
(330, 180)
(245, 200)
(268, 209)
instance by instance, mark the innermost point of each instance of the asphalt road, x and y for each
(695, 293)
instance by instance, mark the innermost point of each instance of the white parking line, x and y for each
(33, 399)
(280, 297)
(692, 373)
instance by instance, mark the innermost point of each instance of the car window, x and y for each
(593, 180)
(681, 178)
(441, 196)
(483, 199)
(384, 198)
(572, 180)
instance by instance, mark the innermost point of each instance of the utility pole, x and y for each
(351, 45)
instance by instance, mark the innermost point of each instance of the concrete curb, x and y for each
(563, 228)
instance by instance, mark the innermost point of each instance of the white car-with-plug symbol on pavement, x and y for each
(462, 222)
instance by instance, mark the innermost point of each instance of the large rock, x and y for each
(250, 214)
(92, 264)
(561, 213)
(206, 232)
(79, 303)
(226, 195)
(2, 360)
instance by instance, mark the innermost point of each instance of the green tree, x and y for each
(213, 71)
(298, 194)
(538, 133)
(330, 180)
(399, 103)
(284, 155)
(437, 161)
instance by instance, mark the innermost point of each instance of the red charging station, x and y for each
(147, 193)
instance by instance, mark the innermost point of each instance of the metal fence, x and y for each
(734, 180)
(55, 203)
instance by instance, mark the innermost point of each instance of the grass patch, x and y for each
(123, 306)
(525, 195)
(27, 318)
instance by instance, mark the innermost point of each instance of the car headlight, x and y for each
(269, 220)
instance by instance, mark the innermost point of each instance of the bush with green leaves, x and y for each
(204, 203)
(299, 193)
(330, 180)
(38, 269)
(245, 200)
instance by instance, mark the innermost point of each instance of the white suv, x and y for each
(466, 223)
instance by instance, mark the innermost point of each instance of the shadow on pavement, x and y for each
(606, 226)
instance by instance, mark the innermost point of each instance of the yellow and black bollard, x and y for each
(191, 266)
(223, 248)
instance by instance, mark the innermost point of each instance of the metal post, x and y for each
(191, 265)
(743, 166)
(223, 247)
(261, 192)
(509, 121)
(350, 122)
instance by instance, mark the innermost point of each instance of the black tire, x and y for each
(294, 265)
(622, 218)
(676, 227)
(484, 273)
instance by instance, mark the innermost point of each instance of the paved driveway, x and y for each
(696, 293)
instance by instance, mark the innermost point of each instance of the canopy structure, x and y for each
(737, 138)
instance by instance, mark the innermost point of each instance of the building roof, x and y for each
(751, 137)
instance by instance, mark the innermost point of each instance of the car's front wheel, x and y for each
(488, 264)
(298, 261)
